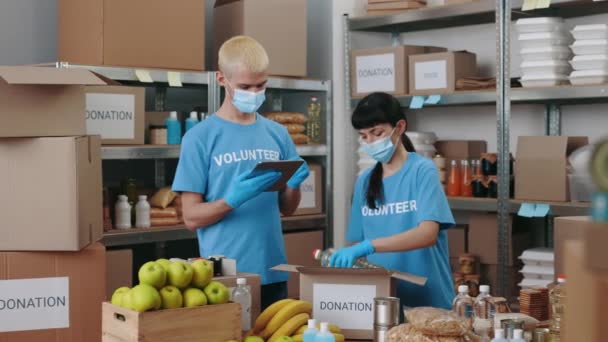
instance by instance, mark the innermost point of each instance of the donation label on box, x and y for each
(348, 306)
(376, 73)
(110, 115)
(34, 304)
(308, 191)
(431, 75)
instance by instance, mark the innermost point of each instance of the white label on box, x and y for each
(347, 306)
(111, 115)
(309, 198)
(375, 73)
(431, 75)
(34, 304)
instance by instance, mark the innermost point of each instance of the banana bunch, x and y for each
(282, 318)
(334, 329)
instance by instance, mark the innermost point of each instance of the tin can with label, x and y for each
(386, 311)
(509, 326)
(541, 335)
(381, 333)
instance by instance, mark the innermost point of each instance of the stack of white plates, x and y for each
(590, 62)
(539, 269)
(544, 50)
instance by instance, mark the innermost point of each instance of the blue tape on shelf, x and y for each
(542, 210)
(599, 207)
(433, 99)
(527, 210)
(417, 102)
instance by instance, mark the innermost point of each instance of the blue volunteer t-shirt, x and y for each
(412, 195)
(213, 154)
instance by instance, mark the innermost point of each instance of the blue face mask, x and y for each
(381, 150)
(248, 101)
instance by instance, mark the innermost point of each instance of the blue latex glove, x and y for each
(346, 257)
(246, 187)
(299, 176)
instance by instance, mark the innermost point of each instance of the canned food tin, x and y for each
(540, 335)
(509, 325)
(381, 333)
(386, 311)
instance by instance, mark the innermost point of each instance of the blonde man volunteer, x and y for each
(226, 205)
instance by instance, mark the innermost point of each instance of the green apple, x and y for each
(144, 298)
(284, 339)
(203, 273)
(253, 339)
(171, 297)
(164, 263)
(180, 274)
(194, 297)
(217, 293)
(126, 300)
(117, 295)
(153, 274)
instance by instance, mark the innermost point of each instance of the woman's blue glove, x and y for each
(346, 257)
(299, 176)
(246, 187)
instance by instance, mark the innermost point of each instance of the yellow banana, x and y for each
(332, 328)
(300, 338)
(284, 314)
(290, 326)
(266, 316)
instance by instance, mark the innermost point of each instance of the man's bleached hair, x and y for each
(242, 52)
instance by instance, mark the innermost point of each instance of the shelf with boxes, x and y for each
(491, 205)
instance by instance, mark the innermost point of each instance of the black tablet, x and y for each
(286, 167)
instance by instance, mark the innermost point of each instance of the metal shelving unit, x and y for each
(159, 79)
(500, 12)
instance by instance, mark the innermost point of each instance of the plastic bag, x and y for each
(437, 322)
(407, 333)
(163, 198)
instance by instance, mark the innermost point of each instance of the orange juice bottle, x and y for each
(454, 180)
(466, 188)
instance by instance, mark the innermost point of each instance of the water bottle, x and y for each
(463, 303)
(174, 129)
(484, 316)
(325, 335)
(191, 121)
(311, 332)
(142, 213)
(122, 211)
(499, 336)
(242, 295)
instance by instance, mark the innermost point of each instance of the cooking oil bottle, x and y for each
(557, 297)
(313, 130)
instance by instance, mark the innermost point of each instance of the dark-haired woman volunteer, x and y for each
(399, 212)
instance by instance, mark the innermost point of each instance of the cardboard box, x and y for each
(483, 239)
(116, 113)
(457, 241)
(299, 248)
(437, 73)
(136, 33)
(460, 150)
(312, 192)
(42, 102)
(119, 270)
(587, 298)
(329, 289)
(597, 240)
(280, 26)
(578, 228)
(253, 280)
(63, 290)
(383, 69)
(540, 170)
(51, 193)
(220, 322)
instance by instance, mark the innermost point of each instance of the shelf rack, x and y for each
(500, 12)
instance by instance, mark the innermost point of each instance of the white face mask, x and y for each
(381, 150)
(248, 102)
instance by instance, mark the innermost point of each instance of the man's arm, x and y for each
(289, 200)
(200, 214)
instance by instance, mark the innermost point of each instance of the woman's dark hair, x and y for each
(372, 110)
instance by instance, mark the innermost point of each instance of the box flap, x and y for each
(219, 3)
(345, 271)
(286, 268)
(575, 143)
(51, 76)
(410, 278)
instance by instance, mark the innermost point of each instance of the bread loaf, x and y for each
(288, 118)
(295, 128)
(300, 138)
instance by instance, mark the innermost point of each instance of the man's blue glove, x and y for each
(346, 257)
(299, 176)
(246, 187)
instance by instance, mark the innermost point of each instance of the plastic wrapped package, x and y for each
(437, 322)
(407, 333)
(163, 198)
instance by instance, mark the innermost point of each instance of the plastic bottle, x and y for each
(454, 180)
(466, 187)
(122, 211)
(499, 336)
(311, 332)
(174, 129)
(192, 120)
(557, 297)
(484, 316)
(518, 336)
(242, 295)
(324, 335)
(142, 213)
(313, 128)
(463, 303)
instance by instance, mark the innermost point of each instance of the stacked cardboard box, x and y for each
(52, 270)
(382, 7)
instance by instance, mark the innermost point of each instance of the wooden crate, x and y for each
(205, 323)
